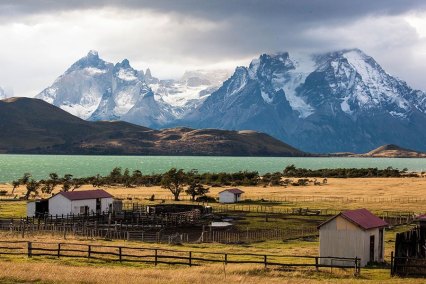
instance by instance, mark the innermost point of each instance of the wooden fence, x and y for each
(256, 235)
(410, 253)
(165, 256)
(304, 199)
(408, 266)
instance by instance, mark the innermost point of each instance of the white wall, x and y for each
(31, 207)
(341, 238)
(105, 202)
(226, 197)
(76, 204)
(59, 205)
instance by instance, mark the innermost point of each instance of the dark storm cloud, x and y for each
(287, 10)
(182, 33)
(248, 25)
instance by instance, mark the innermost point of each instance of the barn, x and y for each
(353, 233)
(231, 195)
(72, 202)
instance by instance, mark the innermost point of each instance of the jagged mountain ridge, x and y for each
(329, 102)
(94, 89)
(338, 101)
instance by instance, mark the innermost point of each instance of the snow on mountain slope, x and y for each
(80, 89)
(336, 101)
(328, 102)
(190, 91)
(126, 87)
(94, 89)
(2, 93)
(359, 83)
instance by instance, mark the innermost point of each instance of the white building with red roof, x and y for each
(350, 234)
(73, 202)
(232, 195)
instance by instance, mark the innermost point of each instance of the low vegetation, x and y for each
(192, 182)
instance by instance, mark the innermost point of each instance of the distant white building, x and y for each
(232, 195)
(73, 202)
(354, 233)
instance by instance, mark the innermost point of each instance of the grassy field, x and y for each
(20, 269)
(375, 194)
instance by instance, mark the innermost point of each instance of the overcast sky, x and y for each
(40, 39)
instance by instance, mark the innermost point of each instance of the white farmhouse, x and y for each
(354, 233)
(231, 195)
(72, 202)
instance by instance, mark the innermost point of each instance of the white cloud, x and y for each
(39, 46)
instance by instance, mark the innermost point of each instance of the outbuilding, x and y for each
(232, 195)
(73, 202)
(350, 234)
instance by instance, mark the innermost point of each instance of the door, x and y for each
(380, 245)
(372, 241)
(98, 206)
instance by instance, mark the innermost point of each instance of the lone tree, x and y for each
(67, 182)
(15, 185)
(174, 180)
(25, 179)
(32, 187)
(51, 183)
(196, 189)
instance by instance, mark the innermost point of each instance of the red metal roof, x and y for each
(361, 217)
(233, 190)
(421, 217)
(85, 194)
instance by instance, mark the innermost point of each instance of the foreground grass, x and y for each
(19, 269)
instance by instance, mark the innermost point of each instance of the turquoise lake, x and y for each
(13, 166)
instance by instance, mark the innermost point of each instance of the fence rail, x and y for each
(166, 256)
(408, 266)
(307, 198)
(257, 235)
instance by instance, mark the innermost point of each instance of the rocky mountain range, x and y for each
(36, 127)
(94, 89)
(341, 101)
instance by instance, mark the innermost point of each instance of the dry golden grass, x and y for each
(376, 194)
(63, 270)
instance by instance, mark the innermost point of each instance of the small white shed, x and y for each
(72, 202)
(354, 233)
(231, 195)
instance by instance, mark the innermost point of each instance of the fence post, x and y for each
(89, 251)
(30, 248)
(265, 260)
(119, 254)
(156, 254)
(226, 258)
(190, 258)
(392, 271)
(357, 266)
(316, 263)
(59, 250)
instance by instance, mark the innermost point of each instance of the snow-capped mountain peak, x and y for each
(335, 101)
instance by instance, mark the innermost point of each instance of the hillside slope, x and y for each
(34, 126)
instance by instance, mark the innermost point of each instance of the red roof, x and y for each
(421, 217)
(85, 194)
(362, 218)
(233, 190)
